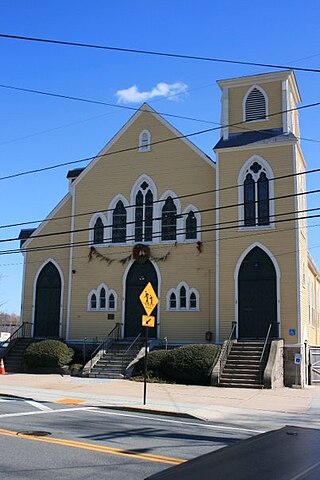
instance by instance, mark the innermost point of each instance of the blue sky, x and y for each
(39, 131)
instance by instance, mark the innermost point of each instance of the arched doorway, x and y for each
(257, 295)
(47, 302)
(139, 275)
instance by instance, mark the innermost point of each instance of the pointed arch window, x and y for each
(119, 223)
(111, 302)
(98, 231)
(255, 107)
(183, 297)
(169, 220)
(191, 226)
(144, 141)
(93, 302)
(102, 299)
(144, 214)
(193, 301)
(255, 195)
(173, 301)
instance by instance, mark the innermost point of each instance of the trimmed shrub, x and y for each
(48, 354)
(191, 364)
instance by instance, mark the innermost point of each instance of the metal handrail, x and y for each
(226, 349)
(24, 330)
(265, 349)
(129, 348)
(107, 342)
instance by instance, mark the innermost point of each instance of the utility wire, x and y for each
(155, 53)
(156, 235)
(158, 142)
(205, 210)
(178, 197)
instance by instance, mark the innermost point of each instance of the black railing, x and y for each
(104, 346)
(23, 331)
(226, 349)
(130, 349)
(265, 351)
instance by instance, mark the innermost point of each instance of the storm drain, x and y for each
(34, 433)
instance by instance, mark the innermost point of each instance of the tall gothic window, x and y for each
(169, 220)
(144, 214)
(119, 223)
(102, 299)
(98, 230)
(256, 199)
(183, 297)
(191, 226)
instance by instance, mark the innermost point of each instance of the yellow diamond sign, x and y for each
(149, 299)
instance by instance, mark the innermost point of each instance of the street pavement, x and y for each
(278, 407)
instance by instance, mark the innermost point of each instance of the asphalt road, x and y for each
(54, 441)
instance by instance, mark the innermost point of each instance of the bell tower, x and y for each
(261, 242)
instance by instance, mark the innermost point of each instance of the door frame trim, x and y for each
(35, 280)
(124, 283)
(236, 289)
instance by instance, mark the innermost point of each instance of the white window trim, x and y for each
(241, 178)
(176, 291)
(142, 146)
(92, 222)
(156, 221)
(179, 225)
(185, 212)
(96, 292)
(109, 222)
(245, 100)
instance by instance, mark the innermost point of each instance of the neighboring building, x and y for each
(220, 242)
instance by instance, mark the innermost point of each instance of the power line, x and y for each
(129, 149)
(155, 53)
(178, 197)
(156, 235)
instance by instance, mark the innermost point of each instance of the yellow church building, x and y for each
(223, 241)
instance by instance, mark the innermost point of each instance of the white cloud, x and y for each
(162, 89)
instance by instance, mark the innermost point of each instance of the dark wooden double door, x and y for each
(257, 296)
(47, 303)
(139, 275)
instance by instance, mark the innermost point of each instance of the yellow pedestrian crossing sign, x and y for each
(149, 299)
(148, 321)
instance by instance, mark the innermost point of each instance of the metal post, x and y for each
(84, 350)
(145, 366)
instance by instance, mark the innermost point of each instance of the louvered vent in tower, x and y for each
(255, 105)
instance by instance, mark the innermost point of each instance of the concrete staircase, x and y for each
(242, 369)
(114, 362)
(13, 360)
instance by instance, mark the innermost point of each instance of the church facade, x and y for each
(221, 241)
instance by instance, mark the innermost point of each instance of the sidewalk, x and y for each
(282, 406)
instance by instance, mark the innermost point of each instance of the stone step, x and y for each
(240, 385)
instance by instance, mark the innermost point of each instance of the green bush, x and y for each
(48, 353)
(191, 364)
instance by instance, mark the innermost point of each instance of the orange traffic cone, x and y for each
(2, 369)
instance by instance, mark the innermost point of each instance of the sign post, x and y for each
(149, 300)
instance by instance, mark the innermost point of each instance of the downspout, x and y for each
(73, 196)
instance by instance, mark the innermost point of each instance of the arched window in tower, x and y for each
(255, 105)
(173, 301)
(112, 302)
(119, 223)
(144, 213)
(144, 141)
(193, 301)
(191, 226)
(98, 230)
(256, 196)
(169, 220)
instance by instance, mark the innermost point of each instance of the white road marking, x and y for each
(180, 422)
(38, 405)
(22, 414)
